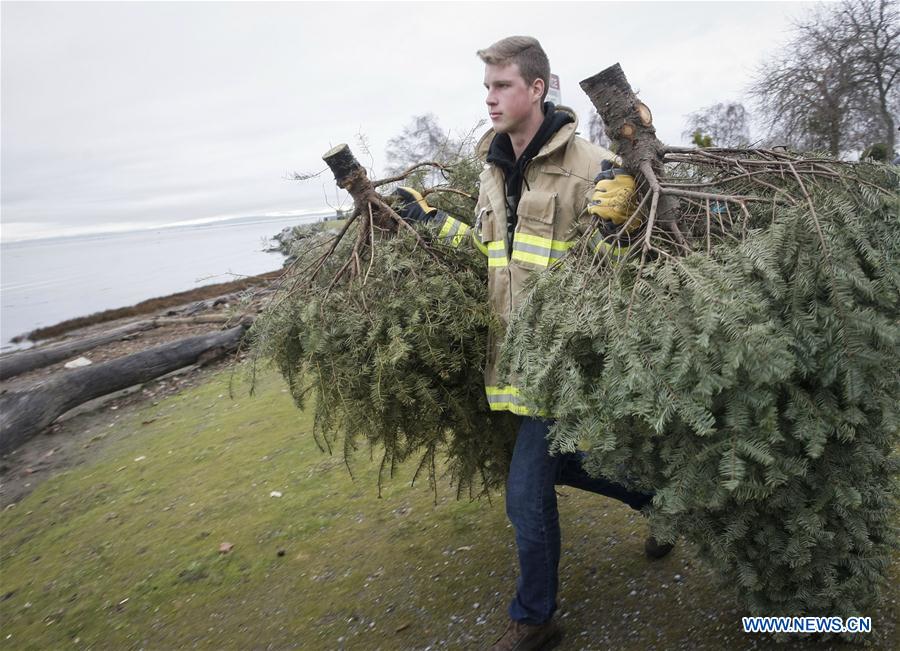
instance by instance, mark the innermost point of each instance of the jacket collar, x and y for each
(561, 138)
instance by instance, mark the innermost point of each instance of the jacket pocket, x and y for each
(493, 243)
(537, 206)
(484, 226)
(534, 243)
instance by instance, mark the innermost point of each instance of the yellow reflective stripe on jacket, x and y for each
(497, 254)
(538, 250)
(453, 231)
(615, 249)
(508, 399)
(479, 243)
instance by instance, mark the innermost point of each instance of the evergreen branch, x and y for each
(334, 245)
(402, 223)
(408, 171)
(647, 170)
(815, 217)
(428, 191)
(672, 191)
(371, 245)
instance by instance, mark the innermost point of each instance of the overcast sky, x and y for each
(127, 114)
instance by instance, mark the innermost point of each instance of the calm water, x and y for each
(47, 281)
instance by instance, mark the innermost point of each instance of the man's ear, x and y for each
(537, 86)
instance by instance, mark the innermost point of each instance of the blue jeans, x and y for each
(531, 508)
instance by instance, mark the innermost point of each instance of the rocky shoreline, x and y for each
(288, 238)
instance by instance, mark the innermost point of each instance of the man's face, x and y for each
(511, 102)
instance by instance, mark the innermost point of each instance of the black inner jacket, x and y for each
(501, 154)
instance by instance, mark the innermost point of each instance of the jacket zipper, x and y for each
(510, 243)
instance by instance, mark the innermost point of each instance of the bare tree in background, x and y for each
(872, 30)
(723, 125)
(805, 93)
(833, 86)
(422, 139)
(597, 131)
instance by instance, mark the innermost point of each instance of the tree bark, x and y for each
(201, 318)
(628, 121)
(352, 177)
(24, 414)
(629, 124)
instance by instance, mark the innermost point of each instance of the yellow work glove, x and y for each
(613, 198)
(411, 205)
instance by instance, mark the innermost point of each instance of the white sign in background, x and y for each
(553, 95)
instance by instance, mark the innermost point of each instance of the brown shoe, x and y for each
(655, 550)
(519, 636)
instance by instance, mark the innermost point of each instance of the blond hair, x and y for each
(524, 51)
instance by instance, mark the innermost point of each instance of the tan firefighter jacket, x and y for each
(551, 213)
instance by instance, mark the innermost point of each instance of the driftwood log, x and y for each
(24, 414)
(41, 356)
(14, 364)
(200, 318)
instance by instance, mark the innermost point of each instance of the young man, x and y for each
(537, 189)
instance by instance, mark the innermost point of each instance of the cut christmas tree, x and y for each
(741, 360)
(385, 328)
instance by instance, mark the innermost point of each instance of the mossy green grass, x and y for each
(123, 552)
